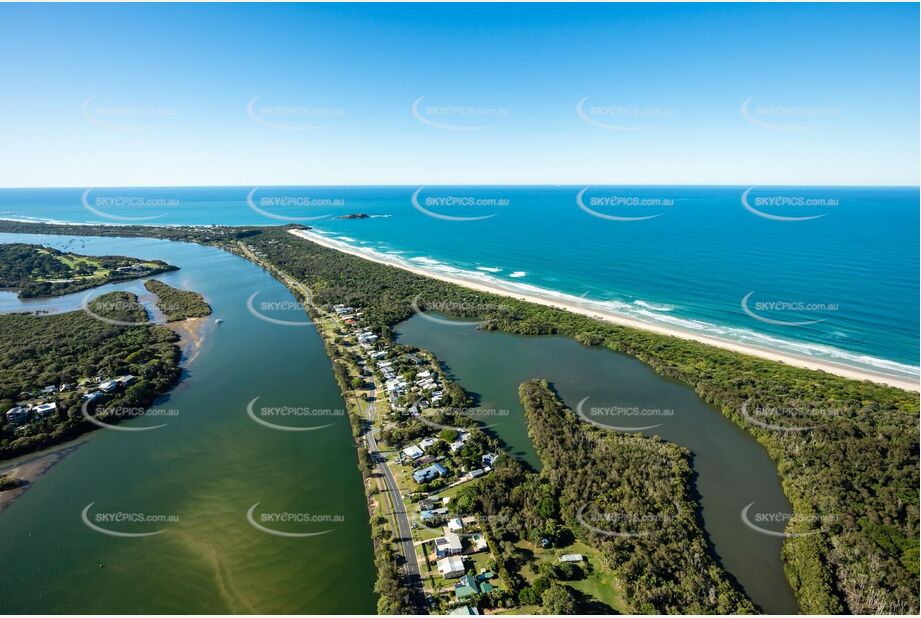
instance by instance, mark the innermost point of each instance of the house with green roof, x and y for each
(470, 585)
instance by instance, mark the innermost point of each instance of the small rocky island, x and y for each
(356, 215)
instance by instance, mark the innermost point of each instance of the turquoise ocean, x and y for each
(829, 273)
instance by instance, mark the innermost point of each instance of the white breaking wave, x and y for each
(654, 315)
(651, 306)
(425, 260)
(489, 269)
(518, 274)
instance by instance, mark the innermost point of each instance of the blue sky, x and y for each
(511, 94)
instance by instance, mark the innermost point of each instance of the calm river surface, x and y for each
(200, 475)
(732, 469)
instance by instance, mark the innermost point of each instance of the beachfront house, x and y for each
(451, 567)
(464, 610)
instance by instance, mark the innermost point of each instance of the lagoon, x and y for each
(732, 469)
(196, 478)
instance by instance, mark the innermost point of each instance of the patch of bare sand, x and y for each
(30, 468)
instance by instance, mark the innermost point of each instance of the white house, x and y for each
(427, 442)
(45, 409)
(448, 545)
(571, 558)
(455, 525)
(451, 567)
(413, 452)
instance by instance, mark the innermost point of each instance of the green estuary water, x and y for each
(732, 469)
(195, 479)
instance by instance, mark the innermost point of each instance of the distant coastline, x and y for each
(606, 315)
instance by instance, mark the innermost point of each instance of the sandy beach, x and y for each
(606, 316)
(31, 467)
(191, 333)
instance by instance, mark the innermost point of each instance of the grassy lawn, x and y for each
(428, 533)
(453, 491)
(527, 610)
(477, 562)
(600, 584)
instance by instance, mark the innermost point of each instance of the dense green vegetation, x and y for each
(178, 304)
(73, 349)
(42, 271)
(628, 496)
(182, 233)
(858, 464)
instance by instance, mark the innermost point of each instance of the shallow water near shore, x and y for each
(732, 469)
(197, 477)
